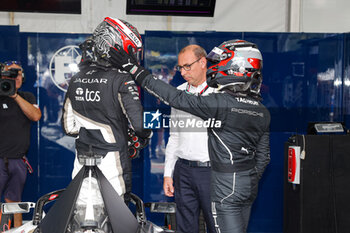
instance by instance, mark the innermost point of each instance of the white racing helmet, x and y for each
(112, 32)
(236, 65)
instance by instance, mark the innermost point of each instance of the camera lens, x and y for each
(5, 86)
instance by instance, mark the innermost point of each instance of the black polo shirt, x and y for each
(14, 127)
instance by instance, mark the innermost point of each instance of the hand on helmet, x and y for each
(122, 60)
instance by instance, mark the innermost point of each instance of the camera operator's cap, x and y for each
(8, 63)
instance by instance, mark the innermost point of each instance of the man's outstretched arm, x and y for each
(203, 106)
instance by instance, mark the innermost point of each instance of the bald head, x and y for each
(193, 57)
(197, 50)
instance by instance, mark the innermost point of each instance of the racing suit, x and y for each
(100, 103)
(239, 149)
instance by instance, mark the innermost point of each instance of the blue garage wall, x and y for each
(306, 78)
(9, 43)
(346, 80)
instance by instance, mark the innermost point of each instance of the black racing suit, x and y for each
(100, 105)
(239, 147)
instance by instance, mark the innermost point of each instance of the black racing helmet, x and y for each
(112, 32)
(236, 65)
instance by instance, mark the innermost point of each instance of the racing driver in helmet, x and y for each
(238, 142)
(102, 103)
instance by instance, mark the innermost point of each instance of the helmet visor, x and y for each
(215, 55)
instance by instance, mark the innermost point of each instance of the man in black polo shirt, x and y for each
(16, 114)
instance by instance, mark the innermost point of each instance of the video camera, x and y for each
(8, 84)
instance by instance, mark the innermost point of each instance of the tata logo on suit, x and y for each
(89, 96)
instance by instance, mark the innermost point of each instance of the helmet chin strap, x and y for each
(256, 80)
(235, 83)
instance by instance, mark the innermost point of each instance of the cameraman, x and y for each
(16, 114)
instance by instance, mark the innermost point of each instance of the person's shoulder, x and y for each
(182, 86)
(29, 96)
(26, 94)
(104, 73)
(210, 91)
(121, 79)
(117, 73)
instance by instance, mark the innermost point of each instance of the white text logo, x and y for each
(92, 96)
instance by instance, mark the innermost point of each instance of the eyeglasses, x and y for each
(186, 67)
(8, 63)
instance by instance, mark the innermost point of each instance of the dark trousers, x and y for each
(13, 174)
(232, 197)
(192, 194)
